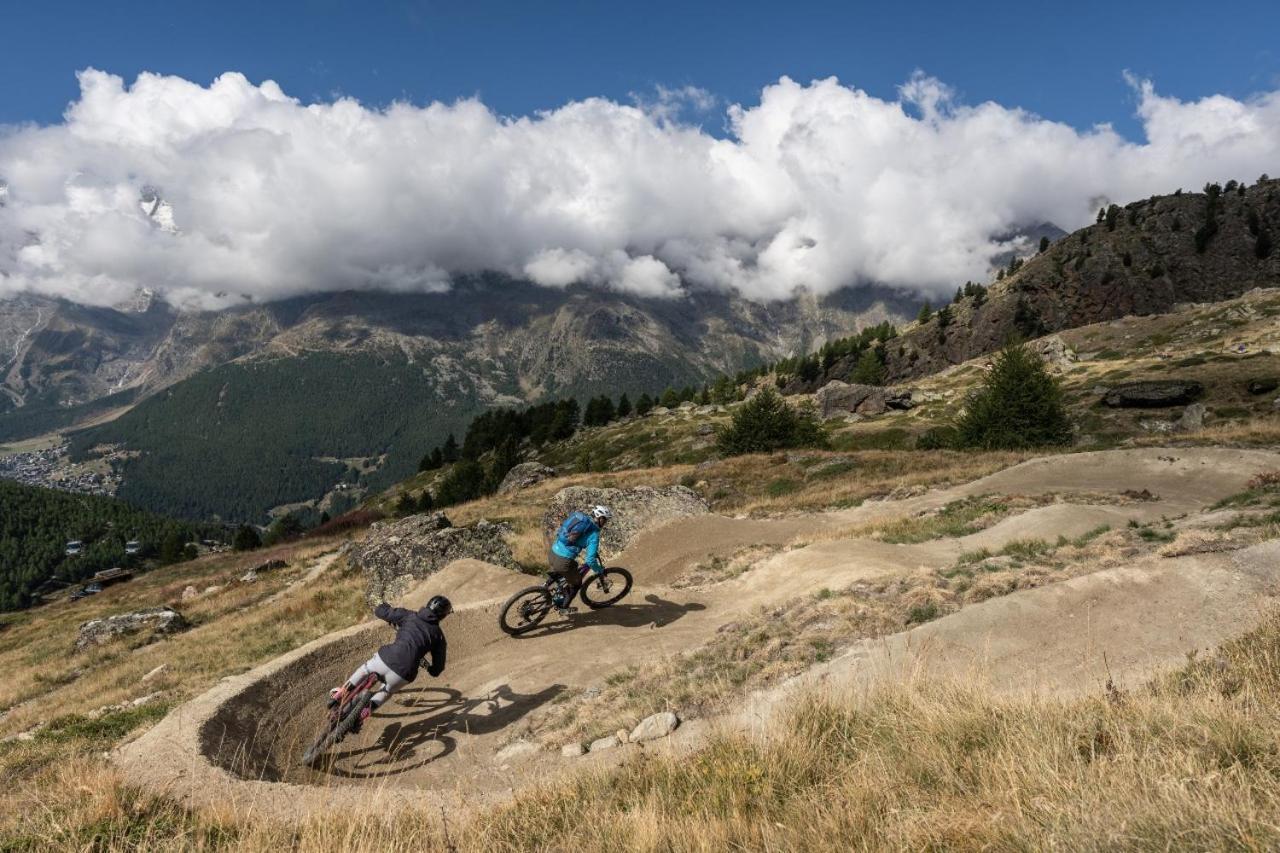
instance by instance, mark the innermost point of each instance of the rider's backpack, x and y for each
(574, 528)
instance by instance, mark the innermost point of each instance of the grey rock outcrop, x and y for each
(395, 554)
(524, 475)
(1263, 385)
(1055, 352)
(837, 399)
(654, 727)
(633, 509)
(1153, 394)
(1192, 419)
(156, 622)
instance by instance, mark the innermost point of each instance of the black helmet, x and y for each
(439, 606)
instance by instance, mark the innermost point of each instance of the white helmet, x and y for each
(601, 513)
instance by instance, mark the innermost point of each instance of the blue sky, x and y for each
(1063, 61)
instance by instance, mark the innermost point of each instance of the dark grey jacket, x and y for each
(417, 633)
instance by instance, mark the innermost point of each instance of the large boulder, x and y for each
(395, 554)
(154, 622)
(837, 399)
(524, 475)
(1055, 352)
(1153, 394)
(633, 509)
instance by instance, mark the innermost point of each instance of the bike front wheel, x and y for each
(340, 730)
(525, 610)
(608, 587)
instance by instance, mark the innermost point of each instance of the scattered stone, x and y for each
(190, 593)
(519, 749)
(210, 590)
(394, 554)
(1139, 495)
(900, 399)
(633, 509)
(659, 410)
(156, 621)
(524, 475)
(686, 406)
(603, 743)
(1153, 394)
(705, 410)
(1199, 542)
(572, 750)
(705, 429)
(1192, 419)
(1157, 426)
(657, 726)
(622, 736)
(155, 673)
(250, 576)
(837, 399)
(901, 493)
(143, 700)
(1263, 386)
(271, 566)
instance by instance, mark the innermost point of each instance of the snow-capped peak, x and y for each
(159, 211)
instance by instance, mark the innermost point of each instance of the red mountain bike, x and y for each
(344, 715)
(525, 610)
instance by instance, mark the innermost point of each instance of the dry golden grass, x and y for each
(231, 633)
(1191, 761)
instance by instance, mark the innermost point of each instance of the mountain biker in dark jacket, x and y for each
(579, 532)
(417, 634)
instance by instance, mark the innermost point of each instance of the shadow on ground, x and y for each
(431, 716)
(656, 612)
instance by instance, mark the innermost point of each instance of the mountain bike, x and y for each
(344, 715)
(525, 610)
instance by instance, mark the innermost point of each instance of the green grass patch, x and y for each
(958, 518)
(780, 486)
(109, 727)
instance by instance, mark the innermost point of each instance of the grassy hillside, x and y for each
(36, 523)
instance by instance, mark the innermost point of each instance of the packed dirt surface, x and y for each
(450, 739)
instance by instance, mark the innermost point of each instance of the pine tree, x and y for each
(766, 422)
(926, 311)
(670, 398)
(246, 539)
(1262, 247)
(406, 505)
(1020, 405)
(868, 370)
(624, 406)
(644, 405)
(449, 451)
(425, 502)
(1044, 244)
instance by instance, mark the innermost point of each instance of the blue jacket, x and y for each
(590, 542)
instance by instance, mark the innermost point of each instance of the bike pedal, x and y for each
(566, 611)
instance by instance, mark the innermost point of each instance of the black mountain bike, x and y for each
(344, 715)
(525, 610)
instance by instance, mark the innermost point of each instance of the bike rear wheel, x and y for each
(343, 727)
(525, 610)
(608, 587)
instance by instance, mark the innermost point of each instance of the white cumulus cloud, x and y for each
(819, 186)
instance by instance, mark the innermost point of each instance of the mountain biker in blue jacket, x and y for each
(579, 532)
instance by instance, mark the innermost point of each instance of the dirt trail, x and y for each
(449, 737)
